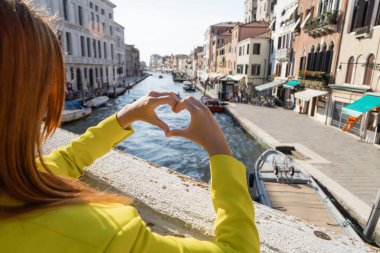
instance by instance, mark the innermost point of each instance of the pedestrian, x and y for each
(44, 207)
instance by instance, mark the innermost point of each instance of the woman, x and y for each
(43, 207)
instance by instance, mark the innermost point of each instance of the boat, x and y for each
(72, 115)
(188, 86)
(212, 103)
(96, 102)
(116, 91)
(160, 76)
(279, 182)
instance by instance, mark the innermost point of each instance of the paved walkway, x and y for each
(349, 168)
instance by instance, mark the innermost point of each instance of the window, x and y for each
(239, 51)
(112, 56)
(82, 46)
(91, 5)
(96, 8)
(88, 47)
(369, 70)
(80, 15)
(100, 49)
(362, 14)
(255, 70)
(110, 15)
(246, 69)
(279, 43)
(102, 12)
(105, 50)
(111, 30)
(103, 27)
(243, 50)
(92, 20)
(68, 43)
(256, 48)
(94, 47)
(98, 22)
(72, 74)
(350, 68)
(248, 49)
(65, 10)
(377, 22)
(85, 73)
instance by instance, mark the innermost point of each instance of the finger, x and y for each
(184, 133)
(186, 104)
(170, 100)
(197, 102)
(158, 122)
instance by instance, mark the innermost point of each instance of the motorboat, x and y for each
(188, 86)
(96, 102)
(72, 115)
(160, 76)
(212, 103)
(280, 182)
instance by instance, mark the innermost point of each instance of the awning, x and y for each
(362, 105)
(204, 77)
(269, 85)
(292, 83)
(289, 12)
(306, 19)
(350, 87)
(307, 95)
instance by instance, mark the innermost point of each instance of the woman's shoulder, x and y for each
(84, 227)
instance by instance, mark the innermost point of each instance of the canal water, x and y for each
(150, 143)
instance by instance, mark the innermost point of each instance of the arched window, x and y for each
(369, 70)
(317, 59)
(310, 59)
(323, 57)
(329, 57)
(350, 68)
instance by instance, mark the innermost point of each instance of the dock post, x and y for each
(373, 218)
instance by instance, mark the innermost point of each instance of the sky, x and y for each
(172, 26)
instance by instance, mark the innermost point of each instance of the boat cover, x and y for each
(362, 105)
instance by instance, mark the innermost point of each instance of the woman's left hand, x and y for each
(144, 109)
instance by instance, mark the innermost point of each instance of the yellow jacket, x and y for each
(114, 228)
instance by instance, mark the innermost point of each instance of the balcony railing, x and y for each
(323, 24)
(283, 54)
(315, 79)
(362, 32)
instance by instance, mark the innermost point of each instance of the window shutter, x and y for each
(368, 15)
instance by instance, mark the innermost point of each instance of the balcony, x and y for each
(283, 54)
(323, 24)
(315, 79)
(362, 32)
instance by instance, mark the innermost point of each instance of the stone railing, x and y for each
(174, 204)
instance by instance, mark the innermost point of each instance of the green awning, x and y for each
(350, 87)
(292, 83)
(362, 105)
(269, 85)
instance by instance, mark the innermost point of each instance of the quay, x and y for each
(347, 168)
(174, 204)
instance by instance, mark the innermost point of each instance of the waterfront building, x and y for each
(244, 31)
(120, 51)
(225, 57)
(154, 62)
(193, 62)
(316, 48)
(358, 68)
(250, 9)
(88, 40)
(132, 60)
(264, 11)
(143, 66)
(213, 41)
(252, 60)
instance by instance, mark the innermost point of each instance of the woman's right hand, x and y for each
(203, 128)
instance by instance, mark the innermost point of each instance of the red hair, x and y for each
(32, 78)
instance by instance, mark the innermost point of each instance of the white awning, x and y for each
(289, 12)
(307, 95)
(238, 77)
(306, 19)
(269, 85)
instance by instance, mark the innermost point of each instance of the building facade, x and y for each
(264, 10)
(132, 60)
(316, 47)
(358, 66)
(89, 42)
(120, 51)
(250, 10)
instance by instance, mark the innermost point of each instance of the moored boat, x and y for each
(72, 115)
(212, 104)
(188, 86)
(160, 76)
(96, 102)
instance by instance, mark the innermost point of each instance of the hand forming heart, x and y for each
(203, 129)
